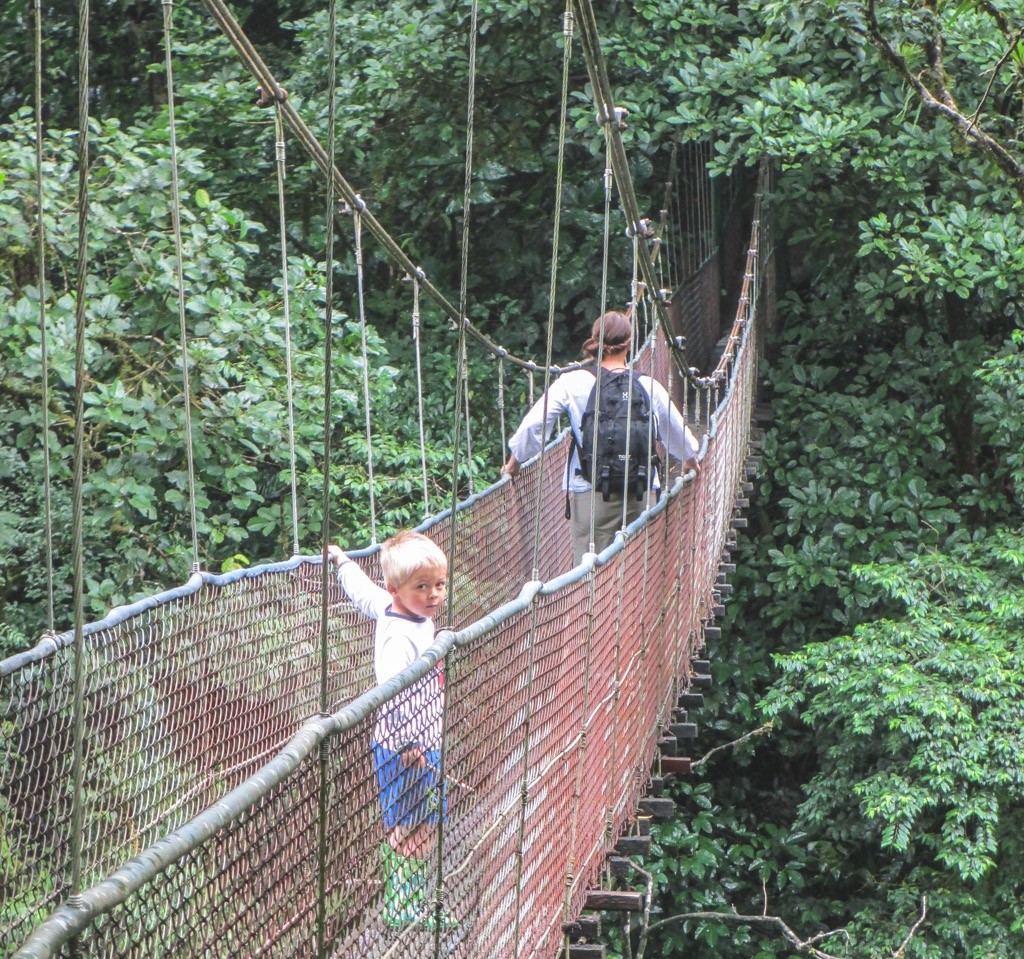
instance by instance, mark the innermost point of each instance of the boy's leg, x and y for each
(411, 798)
(404, 888)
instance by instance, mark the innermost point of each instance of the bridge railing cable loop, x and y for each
(186, 395)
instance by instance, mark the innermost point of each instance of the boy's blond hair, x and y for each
(407, 552)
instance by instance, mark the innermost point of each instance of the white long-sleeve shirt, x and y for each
(569, 394)
(413, 717)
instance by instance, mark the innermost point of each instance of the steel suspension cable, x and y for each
(168, 11)
(567, 31)
(357, 223)
(279, 153)
(324, 161)
(44, 360)
(78, 751)
(591, 45)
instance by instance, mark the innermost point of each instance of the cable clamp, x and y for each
(644, 229)
(266, 99)
(617, 118)
(568, 20)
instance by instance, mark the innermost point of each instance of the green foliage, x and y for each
(137, 486)
(931, 705)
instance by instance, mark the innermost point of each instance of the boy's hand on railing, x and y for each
(336, 554)
(511, 467)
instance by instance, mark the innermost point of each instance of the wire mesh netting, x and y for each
(224, 814)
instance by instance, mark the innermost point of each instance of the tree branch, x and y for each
(760, 731)
(1014, 41)
(808, 946)
(967, 129)
(898, 954)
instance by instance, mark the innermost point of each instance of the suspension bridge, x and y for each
(192, 775)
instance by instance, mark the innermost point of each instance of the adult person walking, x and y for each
(569, 394)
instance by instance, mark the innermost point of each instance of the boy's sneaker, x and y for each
(405, 892)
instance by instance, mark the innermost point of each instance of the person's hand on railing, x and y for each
(511, 467)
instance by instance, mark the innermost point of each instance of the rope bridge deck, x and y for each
(254, 821)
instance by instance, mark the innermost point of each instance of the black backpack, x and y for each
(608, 473)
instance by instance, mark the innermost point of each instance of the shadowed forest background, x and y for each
(878, 607)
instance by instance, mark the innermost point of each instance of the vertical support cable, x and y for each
(700, 220)
(322, 797)
(567, 30)
(419, 389)
(609, 817)
(709, 201)
(524, 789)
(439, 847)
(609, 179)
(357, 221)
(630, 365)
(279, 145)
(461, 375)
(581, 750)
(501, 405)
(464, 366)
(44, 360)
(186, 396)
(78, 754)
(467, 202)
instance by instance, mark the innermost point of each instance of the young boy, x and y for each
(407, 733)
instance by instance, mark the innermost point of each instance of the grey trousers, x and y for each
(607, 520)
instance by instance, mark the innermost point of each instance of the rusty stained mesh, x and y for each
(552, 713)
(183, 701)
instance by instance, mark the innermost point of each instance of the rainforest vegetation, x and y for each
(876, 631)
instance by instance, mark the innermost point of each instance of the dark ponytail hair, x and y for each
(618, 334)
